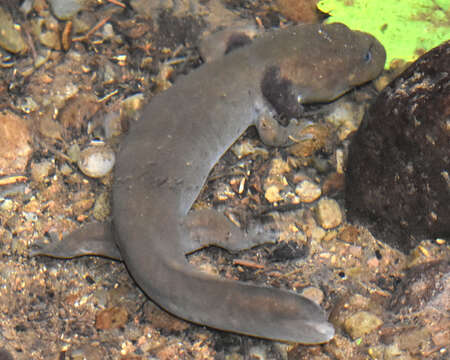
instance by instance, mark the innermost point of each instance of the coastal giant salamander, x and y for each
(167, 155)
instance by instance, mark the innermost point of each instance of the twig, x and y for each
(93, 30)
(31, 44)
(248, 263)
(118, 3)
(8, 180)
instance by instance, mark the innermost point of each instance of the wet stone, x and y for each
(329, 213)
(41, 170)
(112, 125)
(385, 352)
(397, 180)
(310, 139)
(111, 318)
(66, 9)
(77, 110)
(314, 294)
(362, 323)
(345, 116)
(10, 38)
(15, 149)
(258, 353)
(279, 166)
(102, 208)
(50, 39)
(97, 161)
(86, 352)
(272, 194)
(275, 185)
(308, 191)
(317, 233)
(129, 109)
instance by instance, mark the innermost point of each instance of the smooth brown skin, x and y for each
(167, 156)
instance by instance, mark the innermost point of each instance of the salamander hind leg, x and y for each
(93, 239)
(208, 227)
(218, 44)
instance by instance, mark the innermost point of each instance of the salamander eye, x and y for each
(368, 56)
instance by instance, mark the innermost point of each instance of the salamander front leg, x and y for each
(208, 227)
(272, 133)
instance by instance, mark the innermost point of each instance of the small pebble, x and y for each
(273, 194)
(224, 192)
(317, 234)
(28, 105)
(27, 6)
(96, 161)
(276, 179)
(6, 205)
(257, 353)
(132, 104)
(86, 352)
(279, 166)
(15, 139)
(74, 152)
(111, 318)
(66, 9)
(362, 323)
(50, 39)
(10, 37)
(314, 294)
(345, 117)
(102, 208)
(308, 191)
(329, 213)
(112, 124)
(392, 352)
(65, 169)
(309, 140)
(110, 73)
(41, 170)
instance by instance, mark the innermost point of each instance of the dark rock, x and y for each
(397, 179)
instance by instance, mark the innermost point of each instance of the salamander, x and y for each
(167, 155)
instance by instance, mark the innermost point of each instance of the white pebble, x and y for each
(96, 160)
(308, 191)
